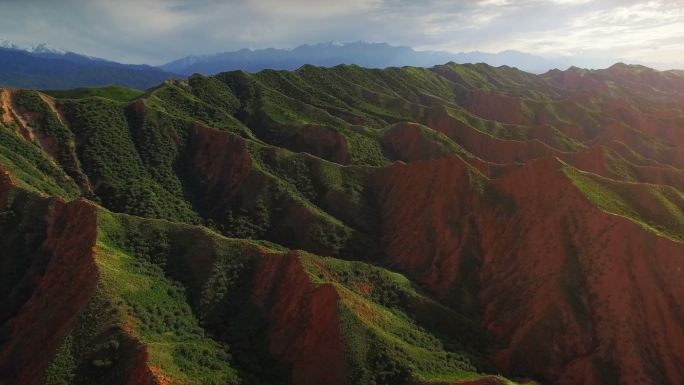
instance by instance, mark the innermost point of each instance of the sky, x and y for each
(158, 31)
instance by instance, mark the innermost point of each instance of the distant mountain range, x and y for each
(370, 55)
(44, 67)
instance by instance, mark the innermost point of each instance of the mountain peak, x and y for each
(9, 44)
(42, 48)
(45, 48)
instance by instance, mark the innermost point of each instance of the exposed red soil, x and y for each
(595, 160)
(221, 162)
(362, 287)
(661, 152)
(305, 330)
(405, 235)
(575, 79)
(643, 80)
(50, 101)
(484, 146)
(25, 121)
(13, 115)
(56, 288)
(497, 107)
(159, 376)
(5, 104)
(563, 284)
(408, 142)
(571, 294)
(60, 282)
(481, 381)
(225, 177)
(322, 141)
(140, 373)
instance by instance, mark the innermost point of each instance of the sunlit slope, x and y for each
(450, 224)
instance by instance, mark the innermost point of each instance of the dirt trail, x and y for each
(12, 114)
(5, 104)
(53, 106)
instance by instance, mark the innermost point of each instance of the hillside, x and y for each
(461, 224)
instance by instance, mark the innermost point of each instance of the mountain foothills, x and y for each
(462, 224)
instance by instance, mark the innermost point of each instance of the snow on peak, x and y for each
(42, 48)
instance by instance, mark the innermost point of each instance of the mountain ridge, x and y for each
(46, 68)
(438, 226)
(373, 55)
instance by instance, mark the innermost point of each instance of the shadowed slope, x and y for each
(537, 222)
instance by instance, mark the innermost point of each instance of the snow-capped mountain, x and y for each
(42, 66)
(42, 48)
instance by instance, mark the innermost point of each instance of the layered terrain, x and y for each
(459, 224)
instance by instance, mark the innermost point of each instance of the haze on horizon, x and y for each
(587, 33)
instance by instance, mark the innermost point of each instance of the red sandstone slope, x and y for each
(572, 294)
(56, 240)
(487, 147)
(52, 289)
(305, 330)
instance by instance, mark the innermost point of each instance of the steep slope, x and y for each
(42, 252)
(474, 220)
(530, 250)
(135, 307)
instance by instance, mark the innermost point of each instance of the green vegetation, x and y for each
(54, 136)
(659, 209)
(279, 160)
(393, 331)
(437, 144)
(158, 308)
(386, 320)
(136, 261)
(63, 367)
(32, 168)
(176, 99)
(364, 148)
(133, 166)
(111, 92)
(198, 330)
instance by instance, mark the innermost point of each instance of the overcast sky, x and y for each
(157, 31)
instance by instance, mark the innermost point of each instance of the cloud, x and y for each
(155, 31)
(649, 32)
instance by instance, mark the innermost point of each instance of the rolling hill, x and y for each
(460, 224)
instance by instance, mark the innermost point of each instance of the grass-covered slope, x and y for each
(659, 209)
(162, 302)
(112, 92)
(450, 223)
